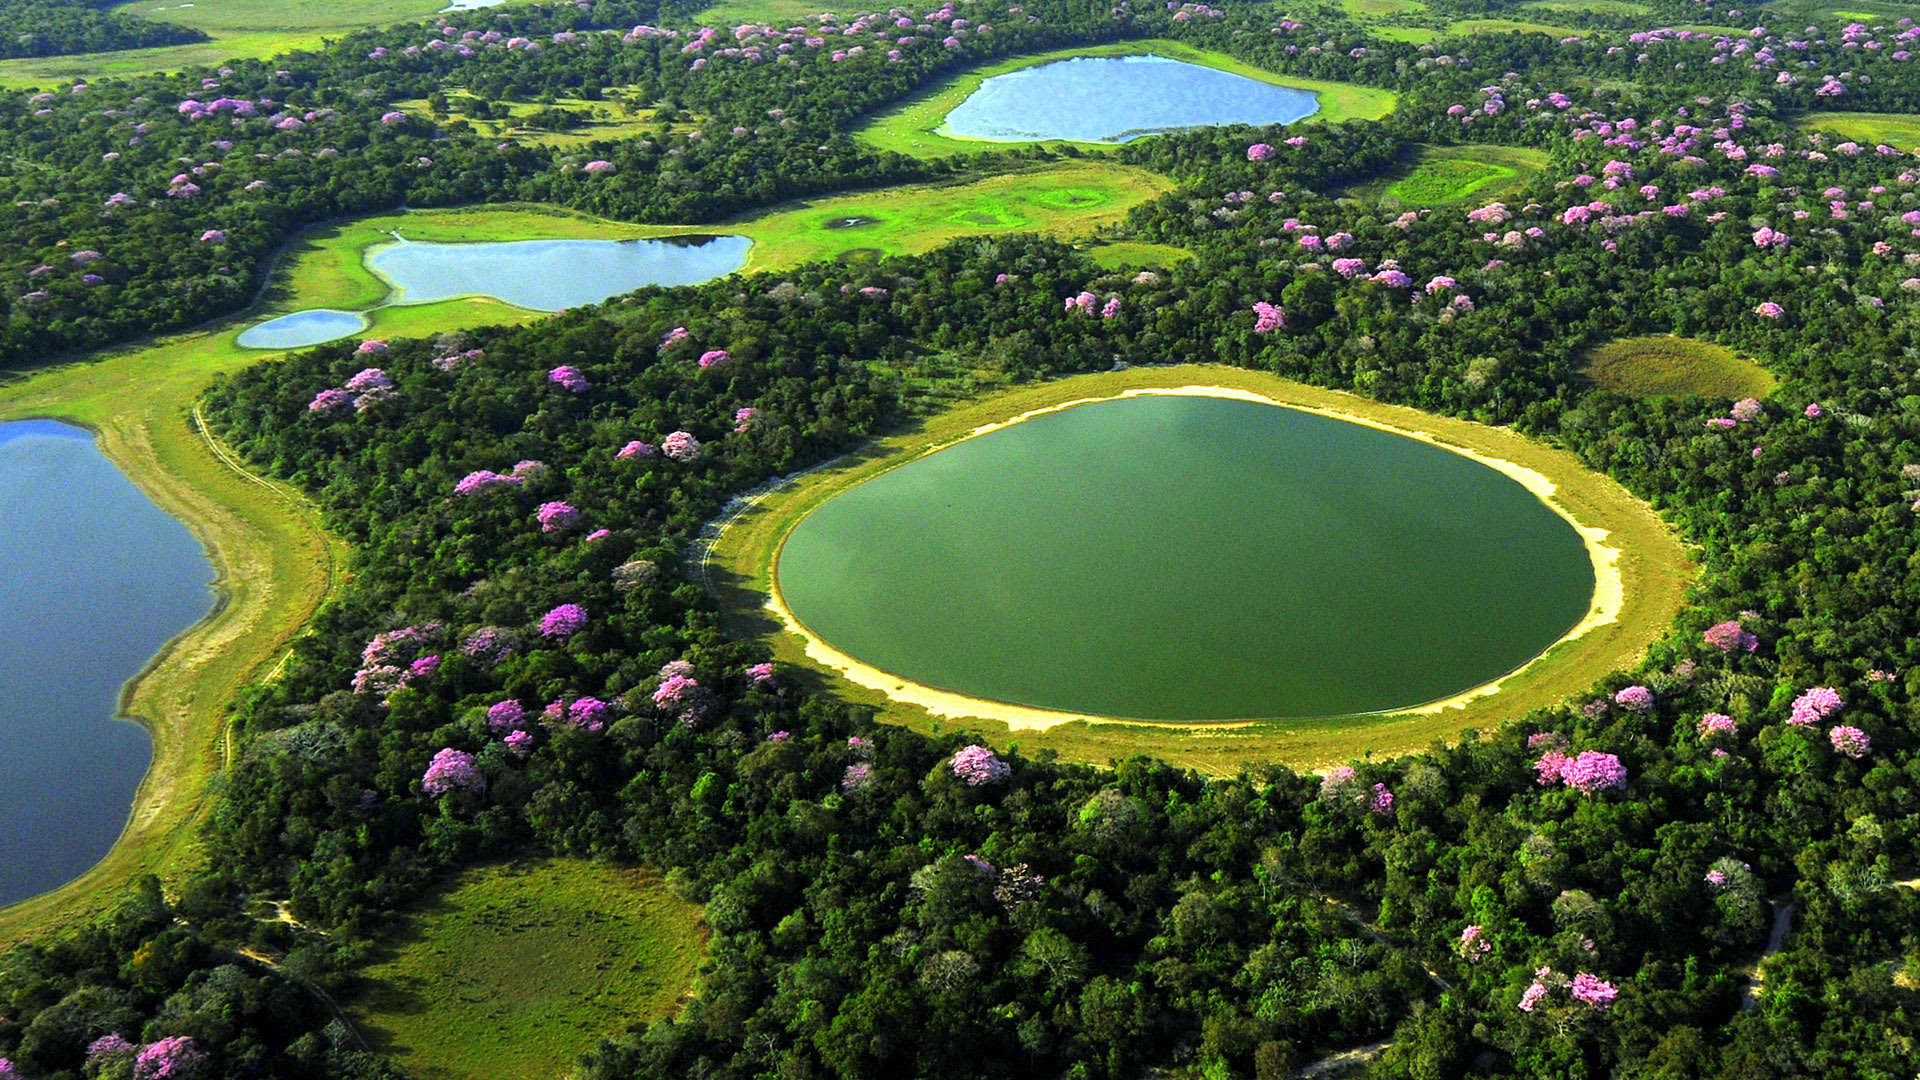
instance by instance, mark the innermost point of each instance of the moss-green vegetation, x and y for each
(1472, 27)
(1413, 35)
(1655, 570)
(912, 127)
(510, 972)
(1138, 255)
(1901, 130)
(1437, 175)
(1363, 8)
(241, 30)
(1585, 7)
(1672, 366)
(616, 114)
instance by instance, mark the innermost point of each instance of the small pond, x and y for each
(301, 329)
(1190, 558)
(1117, 99)
(98, 579)
(548, 275)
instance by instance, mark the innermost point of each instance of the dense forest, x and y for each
(523, 665)
(63, 27)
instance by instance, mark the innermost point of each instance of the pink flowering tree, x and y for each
(452, 770)
(979, 766)
(557, 517)
(681, 446)
(1267, 317)
(174, 1058)
(1730, 637)
(1814, 704)
(1850, 741)
(563, 621)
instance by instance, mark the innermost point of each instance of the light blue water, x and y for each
(1118, 99)
(548, 275)
(97, 579)
(302, 328)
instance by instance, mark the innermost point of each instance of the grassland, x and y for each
(614, 116)
(1438, 175)
(1471, 27)
(1672, 366)
(1587, 7)
(511, 972)
(241, 30)
(1366, 8)
(1900, 130)
(1137, 255)
(1655, 571)
(912, 127)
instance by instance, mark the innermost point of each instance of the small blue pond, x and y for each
(548, 275)
(1117, 99)
(98, 579)
(302, 328)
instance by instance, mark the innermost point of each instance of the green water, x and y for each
(1190, 558)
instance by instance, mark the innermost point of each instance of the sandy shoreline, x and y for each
(1609, 594)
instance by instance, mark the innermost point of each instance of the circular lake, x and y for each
(1117, 99)
(300, 329)
(98, 579)
(549, 275)
(1190, 558)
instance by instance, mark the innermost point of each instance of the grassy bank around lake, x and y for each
(1654, 570)
(911, 127)
(1665, 366)
(510, 972)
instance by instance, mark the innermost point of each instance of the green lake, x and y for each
(1190, 558)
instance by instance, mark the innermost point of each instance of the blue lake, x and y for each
(548, 275)
(1117, 99)
(302, 328)
(98, 579)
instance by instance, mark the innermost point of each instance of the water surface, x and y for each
(302, 328)
(1190, 558)
(97, 579)
(548, 275)
(1117, 99)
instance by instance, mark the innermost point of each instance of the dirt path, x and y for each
(1776, 940)
(1344, 1062)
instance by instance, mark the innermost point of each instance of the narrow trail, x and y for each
(1776, 940)
(1377, 935)
(1344, 1062)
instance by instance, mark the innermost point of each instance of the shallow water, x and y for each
(1190, 558)
(1118, 99)
(98, 579)
(302, 328)
(548, 275)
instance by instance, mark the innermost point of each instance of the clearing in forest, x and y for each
(1659, 366)
(1900, 130)
(1437, 175)
(510, 972)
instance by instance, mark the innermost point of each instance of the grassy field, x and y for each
(1900, 130)
(1586, 7)
(912, 127)
(1437, 175)
(1671, 366)
(241, 30)
(1412, 35)
(615, 116)
(1137, 255)
(1471, 27)
(1655, 569)
(511, 972)
(1365, 8)
(781, 13)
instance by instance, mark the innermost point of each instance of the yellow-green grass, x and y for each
(1662, 366)
(1069, 199)
(781, 13)
(1412, 35)
(1450, 174)
(241, 30)
(510, 972)
(1365, 8)
(1655, 572)
(1138, 255)
(1470, 27)
(1895, 129)
(610, 119)
(912, 127)
(1586, 7)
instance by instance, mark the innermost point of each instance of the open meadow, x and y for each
(1661, 366)
(509, 971)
